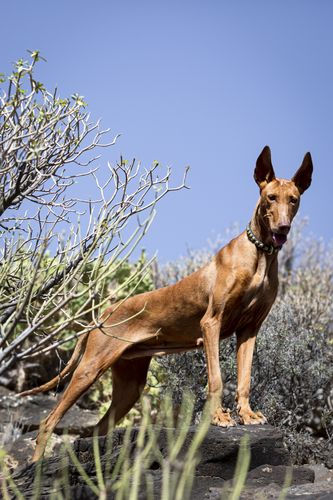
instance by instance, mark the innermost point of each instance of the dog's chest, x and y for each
(260, 284)
(259, 297)
(252, 303)
(261, 291)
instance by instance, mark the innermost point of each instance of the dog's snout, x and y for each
(284, 228)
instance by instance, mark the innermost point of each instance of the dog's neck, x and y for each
(259, 227)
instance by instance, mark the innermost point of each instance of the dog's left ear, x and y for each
(303, 176)
(264, 172)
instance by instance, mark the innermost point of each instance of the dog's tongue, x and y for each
(279, 239)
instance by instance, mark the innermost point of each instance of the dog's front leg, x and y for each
(211, 327)
(245, 346)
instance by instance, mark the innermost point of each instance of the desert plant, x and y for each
(52, 241)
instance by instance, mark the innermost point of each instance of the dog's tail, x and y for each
(69, 368)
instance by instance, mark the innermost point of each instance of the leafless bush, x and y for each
(52, 241)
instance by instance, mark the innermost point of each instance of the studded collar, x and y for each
(270, 249)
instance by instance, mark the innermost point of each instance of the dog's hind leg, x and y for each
(128, 380)
(83, 377)
(101, 352)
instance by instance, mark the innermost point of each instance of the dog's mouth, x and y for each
(279, 239)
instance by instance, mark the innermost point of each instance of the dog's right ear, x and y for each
(264, 172)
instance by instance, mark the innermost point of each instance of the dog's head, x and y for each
(279, 198)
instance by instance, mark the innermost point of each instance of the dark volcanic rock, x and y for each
(22, 449)
(215, 470)
(266, 481)
(20, 419)
(317, 491)
(267, 474)
(218, 456)
(219, 450)
(27, 374)
(29, 411)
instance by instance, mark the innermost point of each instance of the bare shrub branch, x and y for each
(58, 249)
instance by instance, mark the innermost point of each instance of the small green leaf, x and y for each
(35, 55)
(79, 100)
(38, 86)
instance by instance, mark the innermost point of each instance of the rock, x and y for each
(29, 411)
(75, 421)
(219, 450)
(275, 492)
(322, 473)
(278, 474)
(216, 458)
(26, 374)
(200, 487)
(316, 491)
(20, 419)
(4, 393)
(266, 481)
(263, 493)
(22, 449)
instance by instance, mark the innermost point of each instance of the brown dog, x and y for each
(232, 293)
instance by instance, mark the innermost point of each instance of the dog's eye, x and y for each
(271, 197)
(293, 200)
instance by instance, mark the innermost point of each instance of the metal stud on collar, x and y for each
(270, 249)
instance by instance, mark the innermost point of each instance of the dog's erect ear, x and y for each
(303, 176)
(264, 172)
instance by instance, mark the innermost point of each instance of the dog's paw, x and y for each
(222, 418)
(250, 417)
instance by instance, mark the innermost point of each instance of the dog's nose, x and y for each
(284, 228)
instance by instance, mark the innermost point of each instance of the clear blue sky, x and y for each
(199, 83)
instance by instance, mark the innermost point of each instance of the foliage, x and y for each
(136, 277)
(59, 251)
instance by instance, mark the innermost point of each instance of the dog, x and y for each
(233, 293)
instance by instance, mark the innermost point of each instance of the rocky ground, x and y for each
(215, 471)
